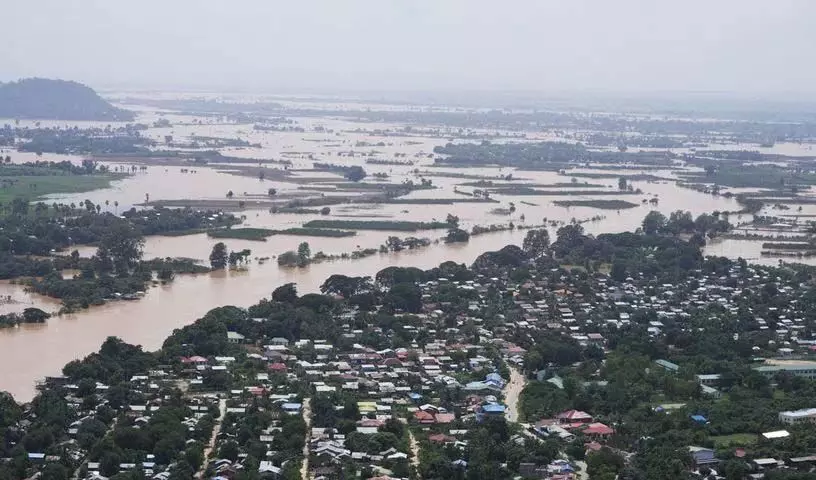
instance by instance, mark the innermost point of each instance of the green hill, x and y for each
(40, 98)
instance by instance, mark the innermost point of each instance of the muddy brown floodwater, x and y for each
(31, 352)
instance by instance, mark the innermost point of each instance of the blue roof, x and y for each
(414, 396)
(494, 376)
(493, 408)
(699, 418)
(291, 406)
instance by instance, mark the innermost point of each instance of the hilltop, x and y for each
(42, 98)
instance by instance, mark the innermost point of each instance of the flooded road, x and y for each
(31, 352)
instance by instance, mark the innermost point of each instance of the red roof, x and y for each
(424, 417)
(256, 390)
(278, 367)
(593, 446)
(370, 422)
(445, 417)
(574, 416)
(441, 438)
(598, 429)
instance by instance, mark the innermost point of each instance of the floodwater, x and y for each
(30, 352)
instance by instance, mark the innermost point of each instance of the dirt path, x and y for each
(307, 417)
(222, 412)
(512, 391)
(414, 452)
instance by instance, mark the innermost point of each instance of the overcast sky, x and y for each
(739, 46)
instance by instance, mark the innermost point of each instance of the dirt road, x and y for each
(307, 417)
(222, 412)
(512, 391)
(414, 452)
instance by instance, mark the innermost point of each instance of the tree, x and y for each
(229, 450)
(35, 315)
(622, 184)
(272, 192)
(123, 245)
(653, 222)
(536, 242)
(166, 274)
(285, 293)
(109, 463)
(345, 285)
(355, 173)
(304, 253)
(457, 235)
(55, 471)
(604, 464)
(452, 220)
(325, 211)
(404, 296)
(218, 256)
(289, 259)
(230, 194)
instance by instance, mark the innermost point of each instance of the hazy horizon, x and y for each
(631, 47)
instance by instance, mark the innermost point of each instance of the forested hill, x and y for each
(47, 99)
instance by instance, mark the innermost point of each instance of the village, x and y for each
(517, 367)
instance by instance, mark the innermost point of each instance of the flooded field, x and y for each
(30, 352)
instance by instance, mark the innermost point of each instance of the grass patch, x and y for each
(261, 234)
(601, 204)
(255, 234)
(183, 233)
(435, 201)
(375, 225)
(32, 187)
(316, 232)
(734, 440)
(547, 193)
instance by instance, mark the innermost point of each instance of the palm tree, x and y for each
(107, 204)
(116, 206)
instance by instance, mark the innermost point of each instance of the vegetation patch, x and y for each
(376, 225)
(255, 234)
(602, 204)
(316, 232)
(734, 440)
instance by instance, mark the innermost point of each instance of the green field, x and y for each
(601, 204)
(261, 234)
(734, 440)
(375, 225)
(34, 187)
(255, 234)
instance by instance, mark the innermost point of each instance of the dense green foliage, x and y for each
(404, 226)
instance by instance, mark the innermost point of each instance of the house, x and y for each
(668, 366)
(493, 409)
(441, 438)
(267, 469)
(574, 416)
(798, 416)
(699, 419)
(235, 337)
(598, 430)
(291, 408)
(702, 456)
(797, 369)
(776, 434)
